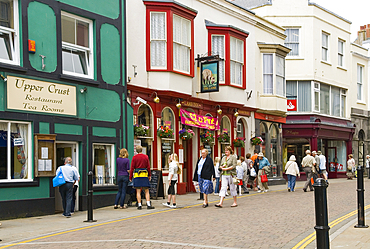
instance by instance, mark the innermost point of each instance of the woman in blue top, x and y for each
(123, 169)
(263, 166)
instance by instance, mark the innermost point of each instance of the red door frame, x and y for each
(332, 174)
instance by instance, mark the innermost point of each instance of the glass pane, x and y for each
(6, 14)
(343, 106)
(79, 62)
(176, 29)
(158, 26)
(291, 88)
(68, 30)
(324, 99)
(280, 66)
(185, 32)
(335, 101)
(158, 53)
(359, 91)
(82, 33)
(19, 134)
(102, 165)
(232, 48)
(3, 150)
(317, 101)
(5, 51)
(67, 61)
(218, 45)
(279, 85)
(304, 96)
(267, 64)
(168, 118)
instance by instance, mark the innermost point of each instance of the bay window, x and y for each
(268, 74)
(170, 37)
(9, 29)
(236, 61)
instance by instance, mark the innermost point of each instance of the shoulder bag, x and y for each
(58, 180)
(264, 177)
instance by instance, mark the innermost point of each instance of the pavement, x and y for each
(51, 230)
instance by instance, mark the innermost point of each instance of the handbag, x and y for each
(236, 181)
(264, 177)
(58, 180)
(253, 172)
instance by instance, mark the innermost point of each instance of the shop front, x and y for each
(331, 136)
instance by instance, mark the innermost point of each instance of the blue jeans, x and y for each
(217, 188)
(122, 186)
(73, 204)
(291, 182)
(66, 191)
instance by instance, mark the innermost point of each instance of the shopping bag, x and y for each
(58, 180)
(264, 177)
(313, 178)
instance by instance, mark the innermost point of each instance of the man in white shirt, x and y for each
(323, 165)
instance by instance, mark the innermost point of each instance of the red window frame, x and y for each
(170, 8)
(229, 32)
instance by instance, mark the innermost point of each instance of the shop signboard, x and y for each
(209, 78)
(291, 105)
(204, 122)
(40, 96)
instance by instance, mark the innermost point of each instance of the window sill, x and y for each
(294, 58)
(19, 183)
(341, 68)
(171, 71)
(273, 95)
(360, 102)
(12, 67)
(78, 79)
(327, 63)
(232, 85)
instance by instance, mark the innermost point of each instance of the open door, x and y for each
(332, 160)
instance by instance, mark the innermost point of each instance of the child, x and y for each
(217, 175)
(252, 176)
(174, 170)
(239, 175)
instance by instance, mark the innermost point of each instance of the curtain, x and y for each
(324, 99)
(335, 101)
(107, 163)
(218, 47)
(268, 74)
(291, 89)
(292, 41)
(22, 131)
(181, 43)
(304, 96)
(280, 76)
(158, 39)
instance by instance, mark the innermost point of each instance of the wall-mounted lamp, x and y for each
(236, 113)
(219, 111)
(139, 100)
(156, 99)
(83, 90)
(135, 73)
(4, 79)
(178, 105)
(249, 95)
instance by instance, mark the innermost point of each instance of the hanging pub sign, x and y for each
(204, 122)
(209, 81)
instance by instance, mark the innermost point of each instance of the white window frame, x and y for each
(9, 155)
(316, 89)
(272, 74)
(280, 76)
(360, 79)
(341, 53)
(181, 44)
(113, 164)
(88, 51)
(14, 41)
(323, 48)
(166, 41)
(343, 94)
(236, 61)
(222, 56)
(287, 43)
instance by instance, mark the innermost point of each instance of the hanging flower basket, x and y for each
(186, 134)
(239, 142)
(256, 140)
(164, 132)
(224, 137)
(207, 137)
(141, 130)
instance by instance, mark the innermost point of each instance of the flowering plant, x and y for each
(141, 130)
(165, 132)
(224, 137)
(207, 137)
(239, 142)
(256, 140)
(186, 134)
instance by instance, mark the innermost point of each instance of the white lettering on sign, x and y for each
(40, 96)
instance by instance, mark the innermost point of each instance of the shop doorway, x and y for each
(65, 149)
(188, 167)
(332, 159)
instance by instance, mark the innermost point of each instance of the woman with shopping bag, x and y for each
(263, 165)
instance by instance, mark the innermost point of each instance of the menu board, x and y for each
(156, 184)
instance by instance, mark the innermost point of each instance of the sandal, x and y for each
(115, 207)
(218, 205)
(234, 206)
(124, 207)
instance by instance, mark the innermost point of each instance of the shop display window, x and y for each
(104, 164)
(337, 156)
(145, 118)
(167, 120)
(225, 126)
(15, 152)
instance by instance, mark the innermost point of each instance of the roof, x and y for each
(249, 4)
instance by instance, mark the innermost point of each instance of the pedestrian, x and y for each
(322, 166)
(255, 156)
(217, 175)
(123, 169)
(317, 162)
(75, 187)
(228, 167)
(245, 176)
(292, 171)
(70, 175)
(173, 172)
(351, 167)
(239, 175)
(308, 164)
(252, 174)
(140, 175)
(203, 174)
(368, 165)
(263, 165)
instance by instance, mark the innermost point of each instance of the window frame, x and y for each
(221, 57)
(341, 53)
(229, 32)
(13, 37)
(272, 74)
(113, 164)
(325, 48)
(171, 9)
(289, 42)
(166, 40)
(360, 82)
(280, 76)
(89, 52)
(316, 90)
(30, 174)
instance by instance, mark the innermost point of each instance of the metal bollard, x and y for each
(360, 198)
(321, 211)
(90, 198)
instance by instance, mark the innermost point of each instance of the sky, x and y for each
(356, 11)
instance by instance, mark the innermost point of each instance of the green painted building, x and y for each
(62, 93)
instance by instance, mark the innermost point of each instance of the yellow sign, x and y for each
(39, 96)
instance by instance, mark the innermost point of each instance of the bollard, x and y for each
(360, 198)
(90, 198)
(321, 211)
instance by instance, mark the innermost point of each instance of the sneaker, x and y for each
(150, 207)
(259, 191)
(166, 204)
(139, 207)
(72, 212)
(288, 189)
(215, 193)
(266, 190)
(173, 206)
(227, 193)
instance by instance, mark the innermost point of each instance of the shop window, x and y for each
(335, 101)
(225, 127)
(292, 41)
(360, 70)
(145, 118)
(104, 166)
(15, 152)
(167, 120)
(240, 132)
(325, 47)
(300, 90)
(9, 29)
(77, 45)
(274, 149)
(340, 53)
(263, 133)
(166, 20)
(324, 99)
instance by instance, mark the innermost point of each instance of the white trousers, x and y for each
(227, 181)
